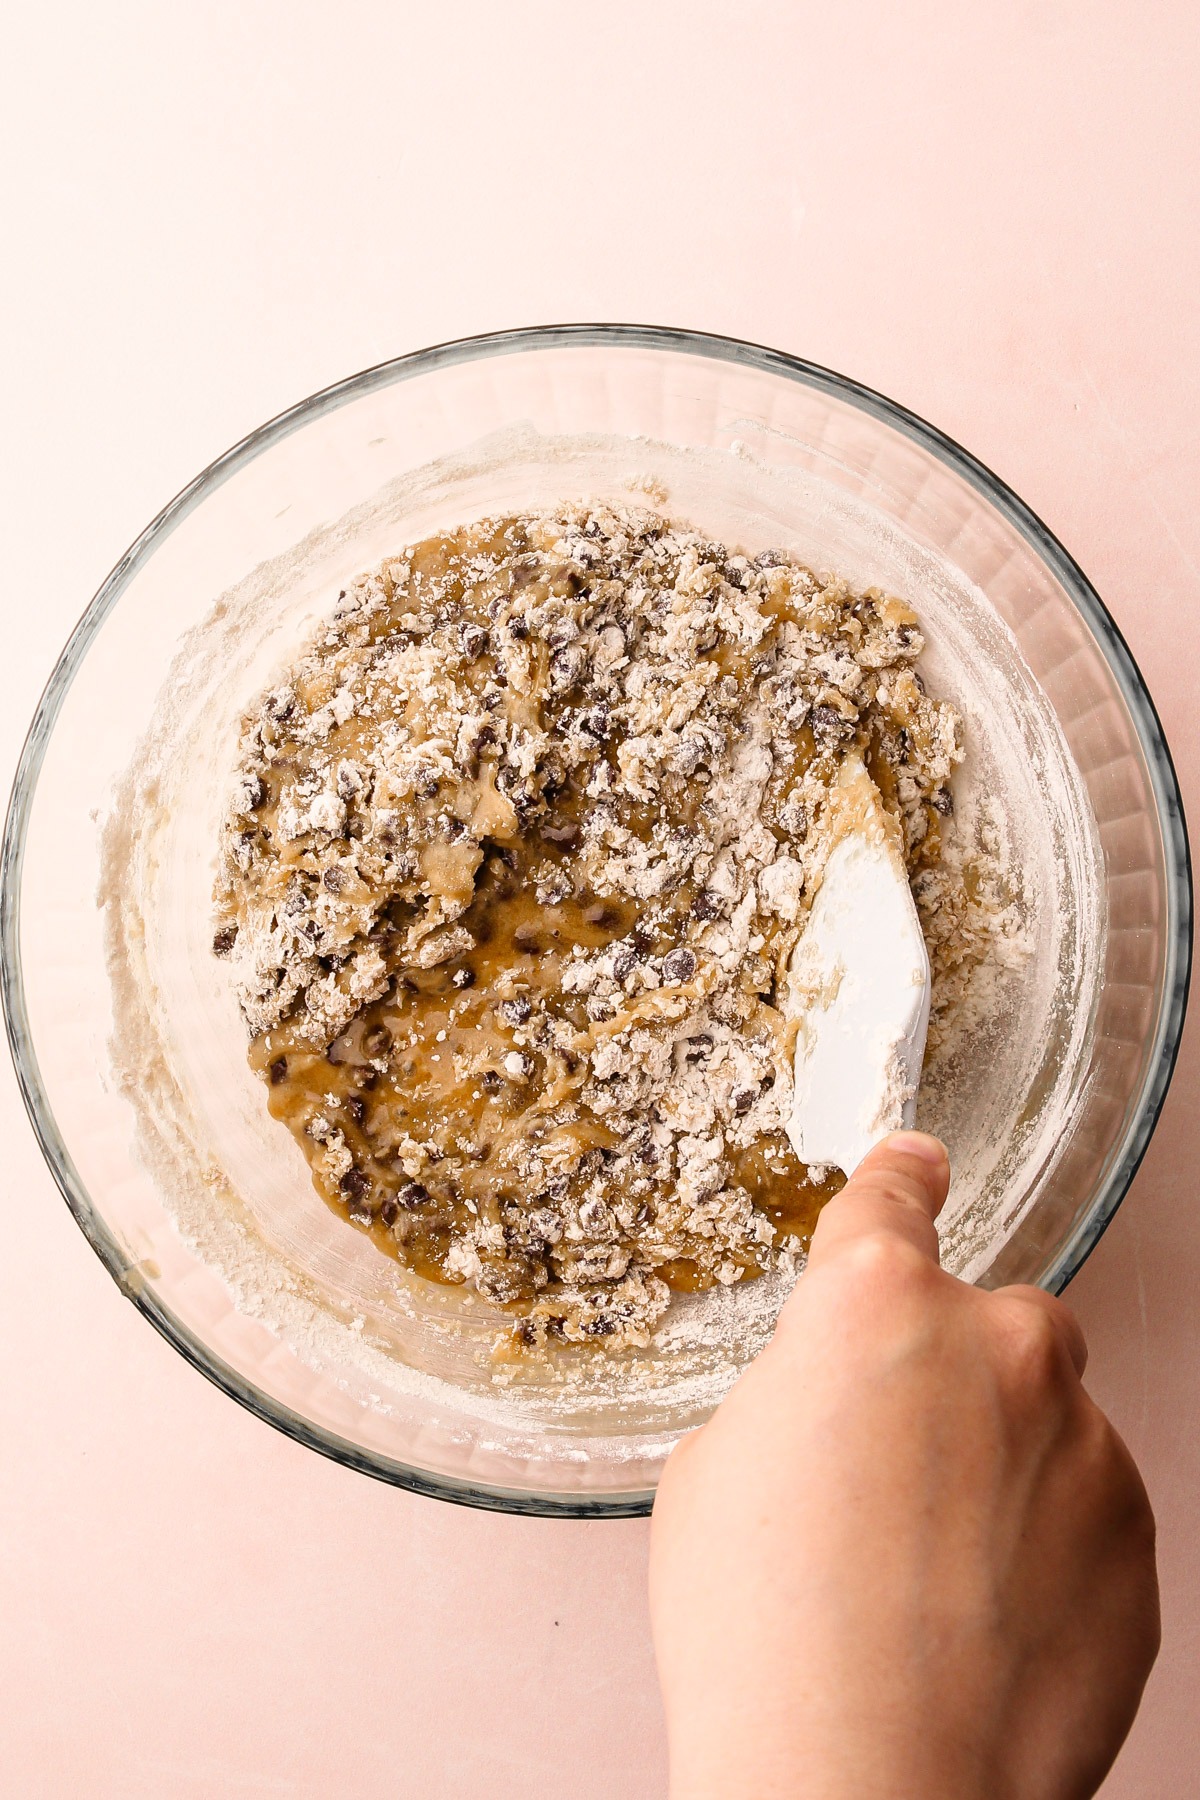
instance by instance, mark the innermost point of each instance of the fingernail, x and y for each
(929, 1149)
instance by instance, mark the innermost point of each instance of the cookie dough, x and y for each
(516, 857)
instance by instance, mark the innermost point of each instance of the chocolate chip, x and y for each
(483, 737)
(624, 963)
(277, 1070)
(707, 905)
(334, 879)
(525, 1332)
(376, 1040)
(518, 628)
(427, 784)
(770, 559)
(463, 978)
(679, 965)
(389, 1212)
(691, 753)
(474, 640)
(356, 1106)
(516, 1011)
(224, 940)
(603, 1325)
(256, 792)
(595, 723)
(280, 706)
(828, 718)
(355, 1184)
(697, 1048)
(743, 1100)
(943, 802)
(490, 1080)
(649, 1152)
(412, 1195)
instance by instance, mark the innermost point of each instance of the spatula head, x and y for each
(859, 987)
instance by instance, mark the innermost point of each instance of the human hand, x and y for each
(908, 1558)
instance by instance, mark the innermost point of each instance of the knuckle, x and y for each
(1034, 1352)
(1101, 1465)
(880, 1259)
(1143, 1527)
(1131, 1499)
(1110, 1473)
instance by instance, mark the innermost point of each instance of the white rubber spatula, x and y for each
(858, 983)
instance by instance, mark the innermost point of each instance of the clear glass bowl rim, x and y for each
(1018, 515)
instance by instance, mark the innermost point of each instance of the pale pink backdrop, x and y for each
(988, 210)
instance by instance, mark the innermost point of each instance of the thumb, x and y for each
(898, 1189)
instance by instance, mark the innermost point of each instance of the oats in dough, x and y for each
(516, 857)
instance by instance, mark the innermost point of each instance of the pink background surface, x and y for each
(988, 211)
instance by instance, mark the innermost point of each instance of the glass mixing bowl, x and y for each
(127, 1043)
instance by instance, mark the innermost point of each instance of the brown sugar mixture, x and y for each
(515, 864)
